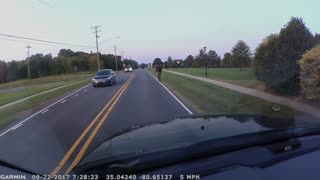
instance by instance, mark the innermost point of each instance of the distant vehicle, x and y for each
(128, 69)
(104, 77)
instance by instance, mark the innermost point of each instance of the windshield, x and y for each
(103, 72)
(77, 74)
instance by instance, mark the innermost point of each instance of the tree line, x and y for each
(67, 61)
(239, 57)
(275, 61)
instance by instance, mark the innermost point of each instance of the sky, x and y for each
(147, 28)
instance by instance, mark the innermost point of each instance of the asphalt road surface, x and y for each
(53, 138)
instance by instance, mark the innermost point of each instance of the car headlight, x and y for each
(95, 81)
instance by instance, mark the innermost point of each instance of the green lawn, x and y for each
(47, 79)
(244, 78)
(25, 92)
(34, 86)
(208, 98)
(8, 114)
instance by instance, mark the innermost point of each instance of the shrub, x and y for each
(264, 60)
(294, 39)
(310, 74)
(276, 58)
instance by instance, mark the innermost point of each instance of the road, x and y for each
(51, 139)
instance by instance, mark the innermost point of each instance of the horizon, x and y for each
(147, 29)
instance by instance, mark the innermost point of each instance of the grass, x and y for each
(235, 76)
(8, 97)
(47, 79)
(8, 115)
(209, 98)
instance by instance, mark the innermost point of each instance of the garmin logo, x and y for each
(13, 177)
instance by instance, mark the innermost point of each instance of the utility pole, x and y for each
(96, 30)
(206, 61)
(122, 55)
(122, 58)
(28, 52)
(115, 56)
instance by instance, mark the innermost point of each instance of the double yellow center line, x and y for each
(107, 107)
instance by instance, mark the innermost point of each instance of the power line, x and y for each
(44, 41)
(37, 43)
(44, 3)
(24, 42)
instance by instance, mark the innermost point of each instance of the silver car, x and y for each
(104, 77)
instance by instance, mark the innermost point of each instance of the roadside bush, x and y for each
(276, 59)
(264, 60)
(310, 74)
(294, 40)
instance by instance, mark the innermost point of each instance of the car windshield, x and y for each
(78, 78)
(104, 72)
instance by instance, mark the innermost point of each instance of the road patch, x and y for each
(84, 133)
(184, 106)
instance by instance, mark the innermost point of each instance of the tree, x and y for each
(177, 63)
(214, 59)
(134, 64)
(166, 64)
(79, 63)
(317, 39)
(264, 62)
(13, 71)
(310, 74)
(227, 59)
(188, 61)
(143, 65)
(108, 61)
(119, 63)
(201, 59)
(3, 72)
(156, 61)
(241, 55)
(66, 53)
(93, 64)
(294, 39)
(170, 62)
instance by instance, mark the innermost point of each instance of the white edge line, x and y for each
(45, 109)
(63, 101)
(16, 127)
(76, 94)
(184, 106)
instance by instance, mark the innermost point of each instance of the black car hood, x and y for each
(101, 77)
(187, 130)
